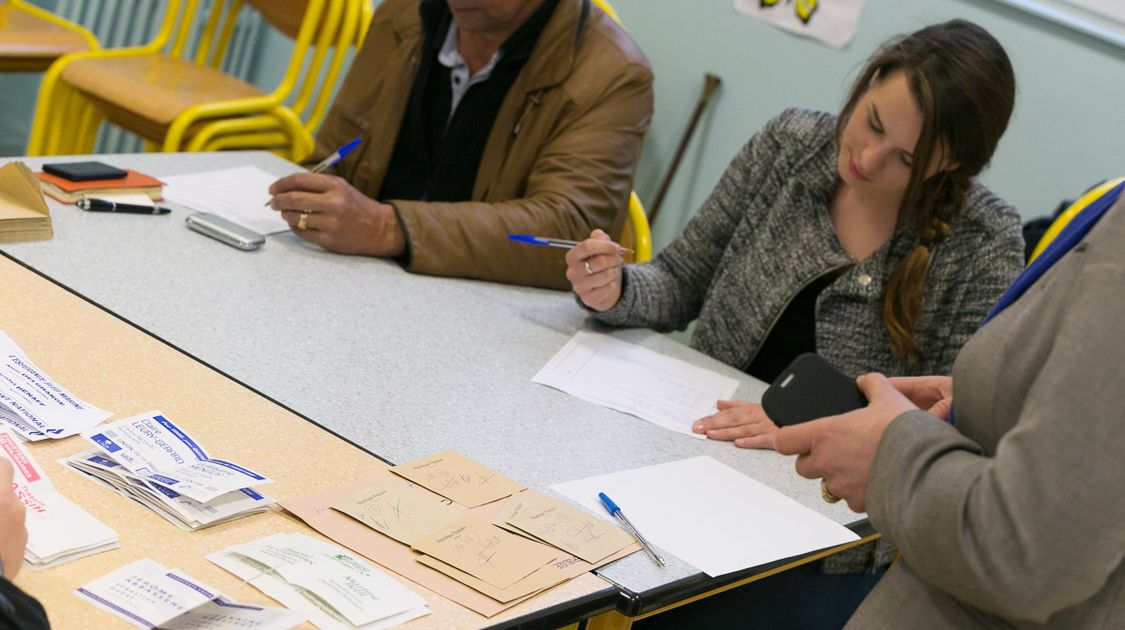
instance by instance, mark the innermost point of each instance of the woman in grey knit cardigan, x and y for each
(864, 237)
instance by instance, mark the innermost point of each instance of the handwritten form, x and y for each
(238, 194)
(400, 510)
(623, 376)
(710, 515)
(571, 529)
(458, 478)
(485, 551)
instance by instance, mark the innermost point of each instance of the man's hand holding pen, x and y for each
(330, 212)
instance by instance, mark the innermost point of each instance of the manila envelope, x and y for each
(485, 551)
(571, 529)
(458, 478)
(316, 511)
(399, 509)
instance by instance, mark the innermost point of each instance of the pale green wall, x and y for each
(1068, 129)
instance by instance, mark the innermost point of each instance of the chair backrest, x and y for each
(637, 235)
(324, 31)
(609, 10)
(1071, 211)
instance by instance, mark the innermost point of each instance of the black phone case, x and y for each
(84, 171)
(808, 388)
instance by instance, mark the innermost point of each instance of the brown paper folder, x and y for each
(24, 215)
(315, 510)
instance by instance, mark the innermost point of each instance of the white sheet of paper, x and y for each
(710, 515)
(33, 405)
(152, 447)
(349, 591)
(635, 380)
(147, 595)
(58, 530)
(238, 194)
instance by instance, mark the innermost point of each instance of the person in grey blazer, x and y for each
(1013, 514)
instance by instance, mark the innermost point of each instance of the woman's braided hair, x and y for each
(963, 83)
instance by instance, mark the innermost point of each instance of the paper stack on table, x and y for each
(36, 407)
(667, 392)
(414, 520)
(334, 588)
(58, 531)
(152, 461)
(23, 214)
(149, 595)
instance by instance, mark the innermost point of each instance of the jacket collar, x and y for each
(556, 51)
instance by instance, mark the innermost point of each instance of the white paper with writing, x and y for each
(149, 595)
(58, 531)
(33, 405)
(238, 194)
(154, 448)
(635, 380)
(347, 591)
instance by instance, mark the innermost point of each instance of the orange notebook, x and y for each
(67, 191)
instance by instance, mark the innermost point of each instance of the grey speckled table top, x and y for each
(403, 365)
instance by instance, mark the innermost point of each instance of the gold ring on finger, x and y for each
(826, 494)
(303, 222)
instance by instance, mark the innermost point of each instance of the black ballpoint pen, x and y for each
(102, 205)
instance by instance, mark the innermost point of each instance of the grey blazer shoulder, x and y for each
(1016, 516)
(764, 233)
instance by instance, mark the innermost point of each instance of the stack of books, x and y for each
(23, 214)
(152, 461)
(68, 191)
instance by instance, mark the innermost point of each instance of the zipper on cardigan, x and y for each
(785, 307)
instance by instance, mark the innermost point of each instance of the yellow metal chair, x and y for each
(31, 38)
(637, 235)
(172, 93)
(1071, 211)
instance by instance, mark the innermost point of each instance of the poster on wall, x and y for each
(832, 22)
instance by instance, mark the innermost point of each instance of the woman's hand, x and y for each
(840, 449)
(744, 423)
(594, 270)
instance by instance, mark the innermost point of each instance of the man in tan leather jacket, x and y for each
(545, 144)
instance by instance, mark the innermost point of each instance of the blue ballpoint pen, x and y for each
(332, 160)
(531, 239)
(616, 513)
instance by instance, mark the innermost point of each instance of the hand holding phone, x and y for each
(809, 388)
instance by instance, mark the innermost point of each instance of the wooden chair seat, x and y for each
(144, 94)
(31, 43)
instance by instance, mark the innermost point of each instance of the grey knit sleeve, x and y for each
(668, 293)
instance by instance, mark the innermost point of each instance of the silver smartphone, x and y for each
(225, 231)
